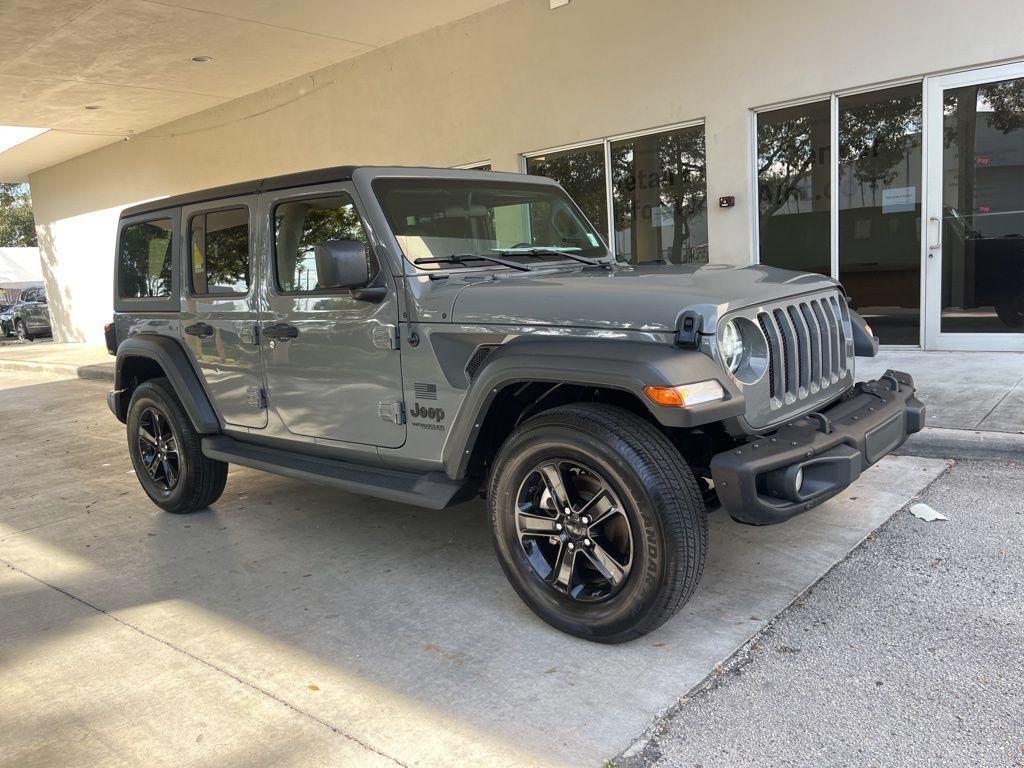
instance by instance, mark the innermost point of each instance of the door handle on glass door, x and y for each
(934, 246)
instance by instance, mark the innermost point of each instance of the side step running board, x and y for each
(434, 490)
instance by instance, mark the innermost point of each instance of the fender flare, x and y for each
(864, 343)
(170, 356)
(608, 363)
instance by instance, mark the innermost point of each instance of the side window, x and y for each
(144, 259)
(219, 251)
(299, 225)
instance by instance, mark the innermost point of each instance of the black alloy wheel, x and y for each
(158, 449)
(573, 530)
(597, 521)
(166, 451)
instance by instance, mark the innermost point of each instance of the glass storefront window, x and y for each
(880, 209)
(581, 172)
(794, 187)
(659, 197)
(983, 208)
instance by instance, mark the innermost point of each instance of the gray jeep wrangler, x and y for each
(425, 335)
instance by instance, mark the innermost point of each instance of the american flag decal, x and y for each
(425, 391)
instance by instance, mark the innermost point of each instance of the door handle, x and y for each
(202, 330)
(280, 332)
(934, 246)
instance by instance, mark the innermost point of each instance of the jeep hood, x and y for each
(640, 298)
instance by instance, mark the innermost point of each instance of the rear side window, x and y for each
(299, 225)
(219, 251)
(144, 259)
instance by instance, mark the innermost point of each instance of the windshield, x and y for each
(527, 223)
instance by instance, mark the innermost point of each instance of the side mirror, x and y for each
(342, 264)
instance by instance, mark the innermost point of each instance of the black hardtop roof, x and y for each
(303, 178)
(318, 176)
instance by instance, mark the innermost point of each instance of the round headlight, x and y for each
(732, 347)
(744, 350)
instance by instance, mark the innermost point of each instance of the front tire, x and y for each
(21, 331)
(1010, 309)
(166, 452)
(597, 521)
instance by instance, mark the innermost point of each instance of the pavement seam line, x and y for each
(1000, 402)
(211, 665)
(741, 655)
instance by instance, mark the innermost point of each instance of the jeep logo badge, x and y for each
(434, 414)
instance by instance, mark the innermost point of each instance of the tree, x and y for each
(17, 225)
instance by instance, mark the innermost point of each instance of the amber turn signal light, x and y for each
(686, 394)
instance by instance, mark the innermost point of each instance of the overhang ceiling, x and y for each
(132, 59)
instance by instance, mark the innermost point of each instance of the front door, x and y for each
(220, 306)
(332, 363)
(974, 230)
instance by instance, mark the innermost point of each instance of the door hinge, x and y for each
(257, 397)
(385, 337)
(393, 411)
(248, 333)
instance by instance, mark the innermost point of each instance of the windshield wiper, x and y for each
(464, 257)
(550, 252)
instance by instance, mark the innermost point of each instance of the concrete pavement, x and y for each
(85, 361)
(294, 624)
(907, 653)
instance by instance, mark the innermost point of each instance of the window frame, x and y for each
(833, 98)
(274, 283)
(480, 165)
(605, 143)
(169, 303)
(200, 211)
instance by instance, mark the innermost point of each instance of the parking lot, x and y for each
(293, 625)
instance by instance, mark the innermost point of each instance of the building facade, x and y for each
(879, 142)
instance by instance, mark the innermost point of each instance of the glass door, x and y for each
(974, 231)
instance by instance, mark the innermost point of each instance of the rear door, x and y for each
(27, 311)
(220, 313)
(332, 365)
(42, 310)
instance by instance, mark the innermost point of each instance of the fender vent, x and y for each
(476, 362)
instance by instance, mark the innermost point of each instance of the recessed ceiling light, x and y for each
(202, 59)
(92, 107)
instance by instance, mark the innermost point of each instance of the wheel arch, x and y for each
(613, 371)
(147, 356)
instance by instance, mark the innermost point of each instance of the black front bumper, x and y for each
(760, 482)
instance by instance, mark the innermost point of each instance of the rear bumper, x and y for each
(760, 482)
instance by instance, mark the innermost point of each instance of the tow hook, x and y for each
(824, 424)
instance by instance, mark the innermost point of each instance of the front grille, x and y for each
(806, 348)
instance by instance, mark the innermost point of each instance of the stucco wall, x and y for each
(514, 79)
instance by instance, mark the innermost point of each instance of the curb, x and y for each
(97, 371)
(941, 443)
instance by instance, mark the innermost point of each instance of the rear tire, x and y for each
(628, 511)
(166, 452)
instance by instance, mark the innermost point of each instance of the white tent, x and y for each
(19, 268)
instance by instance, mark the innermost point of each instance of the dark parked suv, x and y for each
(29, 316)
(425, 336)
